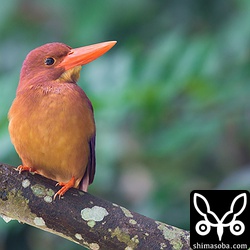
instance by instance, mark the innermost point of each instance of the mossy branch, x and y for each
(81, 217)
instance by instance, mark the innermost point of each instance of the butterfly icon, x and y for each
(203, 227)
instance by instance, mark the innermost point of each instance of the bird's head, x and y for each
(58, 62)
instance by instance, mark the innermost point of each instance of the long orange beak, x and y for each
(86, 54)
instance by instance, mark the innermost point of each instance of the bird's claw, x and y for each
(61, 192)
(65, 187)
(22, 168)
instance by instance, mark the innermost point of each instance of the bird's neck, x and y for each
(43, 80)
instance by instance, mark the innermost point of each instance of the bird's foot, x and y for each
(65, 187)
(22, 168)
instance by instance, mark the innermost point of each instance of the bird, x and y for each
(51, 119)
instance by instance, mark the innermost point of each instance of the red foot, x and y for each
(65, 187)
(22, 168)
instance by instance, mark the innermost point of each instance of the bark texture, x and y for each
(81, 217)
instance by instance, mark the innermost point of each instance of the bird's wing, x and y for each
(91, 164)
(90, 171)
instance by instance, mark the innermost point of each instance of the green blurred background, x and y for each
(171, 99)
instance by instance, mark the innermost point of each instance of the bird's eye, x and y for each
(49, 61)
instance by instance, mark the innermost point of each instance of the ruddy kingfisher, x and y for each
(51, 120)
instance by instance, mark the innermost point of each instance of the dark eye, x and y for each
(49, 61)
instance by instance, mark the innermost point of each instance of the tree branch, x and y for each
(81, 217)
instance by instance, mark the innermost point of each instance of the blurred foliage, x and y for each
(171, 99)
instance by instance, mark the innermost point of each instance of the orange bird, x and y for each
(51, 121)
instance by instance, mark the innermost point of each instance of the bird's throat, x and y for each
(71, 75)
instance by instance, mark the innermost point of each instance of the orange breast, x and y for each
(50, 127)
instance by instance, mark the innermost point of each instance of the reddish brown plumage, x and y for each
(51, 119)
